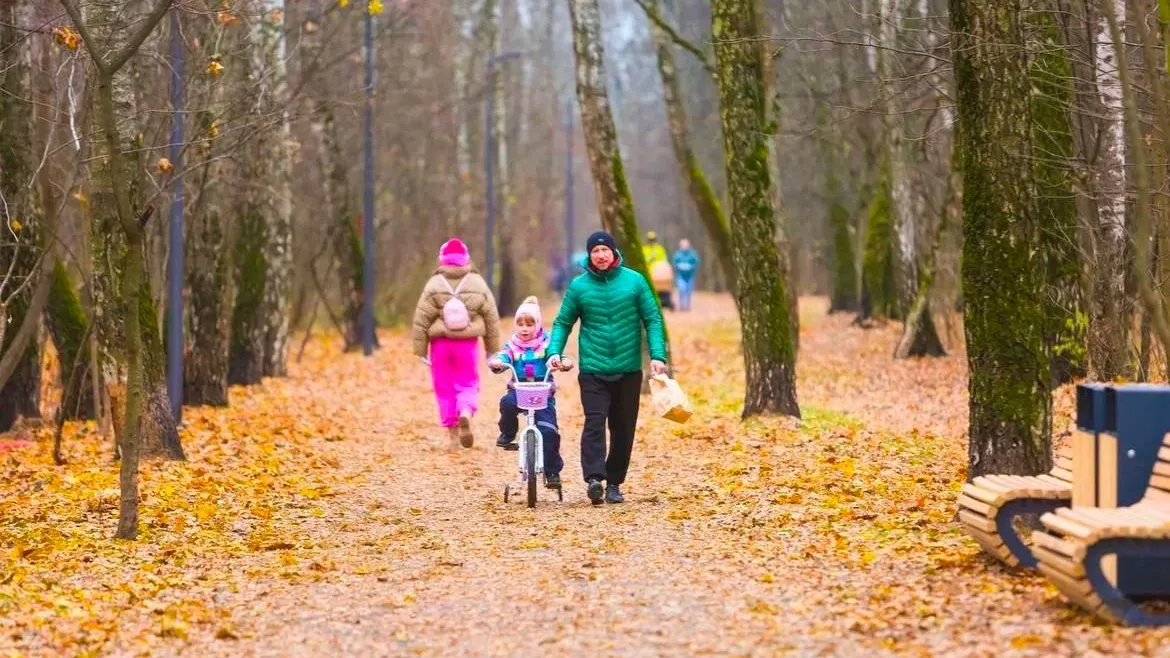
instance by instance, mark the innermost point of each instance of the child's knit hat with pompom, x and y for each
(454, 253)
(531, 307)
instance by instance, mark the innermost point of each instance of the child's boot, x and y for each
(506, 442)
(466, 438)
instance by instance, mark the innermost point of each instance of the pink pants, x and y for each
(455, 376)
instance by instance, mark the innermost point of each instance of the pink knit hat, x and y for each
(531, 308)
(454, 253)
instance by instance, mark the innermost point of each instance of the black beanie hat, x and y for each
(600, 238)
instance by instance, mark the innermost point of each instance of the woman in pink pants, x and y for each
(455, 311)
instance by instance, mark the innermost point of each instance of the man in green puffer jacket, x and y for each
(614, 304)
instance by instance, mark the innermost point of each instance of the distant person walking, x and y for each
(659, 269)
(456, 309)
(686, 266)
(614, 305)
(652, 251)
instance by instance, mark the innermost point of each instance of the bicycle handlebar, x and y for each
(547, 371)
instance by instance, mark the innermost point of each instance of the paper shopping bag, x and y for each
(670, 402)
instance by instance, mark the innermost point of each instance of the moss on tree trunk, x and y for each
(702, 195)
(761, 287)
(1066, 318)
(67, 322)
(877, 266)
(844, 296)
(115, 201)
(246, 355)
(207, 241)
(1003, 268)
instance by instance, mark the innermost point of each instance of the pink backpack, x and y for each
(455, 314)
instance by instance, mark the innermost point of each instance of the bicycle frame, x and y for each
(530, 432)
(531, 397)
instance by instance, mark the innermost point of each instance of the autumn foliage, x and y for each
(324, 506)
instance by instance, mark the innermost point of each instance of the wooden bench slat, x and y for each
(983, 495)
(1089, 517)
(1054, 481)
(1078, 590)
(1160, 482)
(1162, 468)
(1072, 550)
(1164, 453)
(1065, 526)
(1071, 568)
(993, 545)
(976, 521)
(992, 482)
(1062, 473)
(978, 506)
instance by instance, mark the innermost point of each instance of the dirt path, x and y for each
(832, 536)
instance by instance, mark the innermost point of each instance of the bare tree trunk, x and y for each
(1153, 301)
(500, 81)
(1109, 318)
(209, 268)
(1050, 74)
(20, 213)
(761, 285)
(615, 204)
(120, 234)
(702, 195)
(115, 188)
(905, 266)
(1009, 382)
(278, 257)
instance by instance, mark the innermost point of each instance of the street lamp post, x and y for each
(175, 233)
(368, 205)
(488, 160)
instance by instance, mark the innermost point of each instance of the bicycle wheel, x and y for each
(530, 441)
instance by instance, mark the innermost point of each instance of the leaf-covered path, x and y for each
(321, 515)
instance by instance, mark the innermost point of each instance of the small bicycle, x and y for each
(531, 397)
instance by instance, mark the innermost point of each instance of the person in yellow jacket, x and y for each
(652, 251)
(658, 265)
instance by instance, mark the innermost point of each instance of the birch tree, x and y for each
(263, 244)
(208, 257)
(1109, 314)
(761, 286)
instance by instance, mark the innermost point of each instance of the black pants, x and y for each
(613, 398)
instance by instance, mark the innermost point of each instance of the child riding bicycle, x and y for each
(526, 354)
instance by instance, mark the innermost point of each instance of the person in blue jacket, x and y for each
(686, 266)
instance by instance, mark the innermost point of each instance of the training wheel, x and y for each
(560, 494)
(507, 491)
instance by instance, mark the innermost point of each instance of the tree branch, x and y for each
(121, 57)
(83, 30)
(656, 18)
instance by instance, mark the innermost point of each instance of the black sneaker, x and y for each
(595, 491)
(552, 480)
(506, 442)
(613, 494)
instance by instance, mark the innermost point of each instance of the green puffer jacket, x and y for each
(613, 307)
